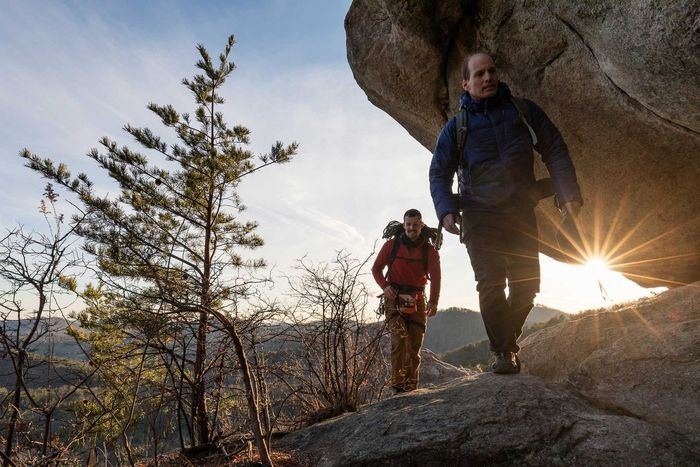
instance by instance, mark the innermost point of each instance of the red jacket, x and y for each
(407, 268)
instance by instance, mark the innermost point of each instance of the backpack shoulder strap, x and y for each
(461, 130)
(525, 115)
(425, 259)
(392, 255)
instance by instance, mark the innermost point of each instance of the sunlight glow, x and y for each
(596, 267)
(574, 288)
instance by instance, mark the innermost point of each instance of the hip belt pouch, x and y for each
(407, 304)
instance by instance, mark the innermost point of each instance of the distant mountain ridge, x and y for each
(454, 327)
(57, 342)
(448, 330)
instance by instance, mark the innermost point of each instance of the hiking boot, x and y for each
(507, 363)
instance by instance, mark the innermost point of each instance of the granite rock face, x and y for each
(643, 360)
(434, 372)
(613, 388)
(621, 80)
(488, 420)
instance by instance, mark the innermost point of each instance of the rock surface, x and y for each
(434, 372)
(613, 388)
(643, 360)
(488, 420)
(620, 79)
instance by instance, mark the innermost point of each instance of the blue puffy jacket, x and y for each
(498, 163)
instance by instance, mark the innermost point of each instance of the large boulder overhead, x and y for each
(621, 80)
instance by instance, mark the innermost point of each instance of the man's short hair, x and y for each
(465, 65)
(413, 213)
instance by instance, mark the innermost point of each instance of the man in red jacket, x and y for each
(409, 266)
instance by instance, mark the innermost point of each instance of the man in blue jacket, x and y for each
(494, 212)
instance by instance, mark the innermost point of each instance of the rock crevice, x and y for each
(617, 86)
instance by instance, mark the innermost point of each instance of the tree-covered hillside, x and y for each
(454, 328)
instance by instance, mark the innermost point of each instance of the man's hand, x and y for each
(432, 309)
(389, 292)
(452, 222)
(572, 208)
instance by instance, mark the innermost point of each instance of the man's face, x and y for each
(483, 77)
(412, 226)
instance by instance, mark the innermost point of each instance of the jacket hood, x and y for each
(502, 93)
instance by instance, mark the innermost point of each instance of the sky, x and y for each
(75, 71)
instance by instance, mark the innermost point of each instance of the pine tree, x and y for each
(170, 245)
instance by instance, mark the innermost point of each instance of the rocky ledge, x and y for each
(608, 388)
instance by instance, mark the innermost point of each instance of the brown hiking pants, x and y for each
(406, 340)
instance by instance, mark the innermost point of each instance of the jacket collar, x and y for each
(482, 105)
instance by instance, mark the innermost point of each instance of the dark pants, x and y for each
(503, 249)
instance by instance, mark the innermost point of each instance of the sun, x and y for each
(596, 267)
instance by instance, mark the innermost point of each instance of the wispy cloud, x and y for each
(72, 76)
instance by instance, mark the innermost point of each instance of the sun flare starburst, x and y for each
(596, 266)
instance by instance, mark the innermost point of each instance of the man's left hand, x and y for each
(432, 309)
(572, 208)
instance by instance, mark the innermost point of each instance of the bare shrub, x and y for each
(335, 362)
